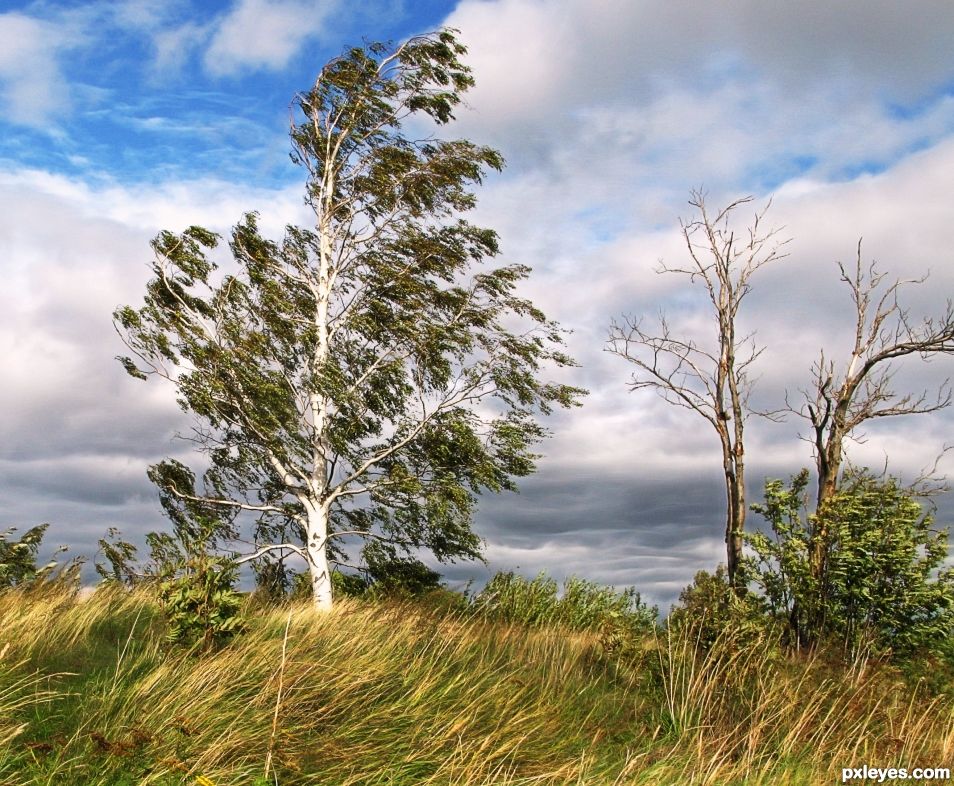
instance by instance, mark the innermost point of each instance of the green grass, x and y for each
(379, 693)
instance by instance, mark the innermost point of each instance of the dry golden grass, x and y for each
(391, 694)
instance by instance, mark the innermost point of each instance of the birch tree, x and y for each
(845, 396)
(365, 377)
(711, 379)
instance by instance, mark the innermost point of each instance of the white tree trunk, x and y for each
(317, 533)
(317, 546)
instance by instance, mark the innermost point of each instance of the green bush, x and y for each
(510, 597)
(396, 578)
(393, 578)
(200, 603)
(18, 557)
(18, 566)
(709, 611)
(195, 585)
(884, 589)
(351, 585)
(390, 575)
(120, 557)
(274, 582)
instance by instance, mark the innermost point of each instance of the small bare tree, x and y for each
(712, 380)
(839, 403)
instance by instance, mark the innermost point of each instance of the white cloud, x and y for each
(175, 45)
(534, 54)
(62, 390)
(142, 14)
(264, 34)
(32, 86)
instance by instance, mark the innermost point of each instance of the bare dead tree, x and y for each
(710, 379)
(839, 402)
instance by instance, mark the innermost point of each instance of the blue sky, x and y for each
(147, 92)
(118, 119)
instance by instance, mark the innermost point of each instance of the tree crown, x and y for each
(361, 364)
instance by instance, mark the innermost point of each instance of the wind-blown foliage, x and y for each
(18, 566)
(195, 587)
(376, 693)
(583, 604)
(358, 377)
(884, 587)
(18, 557)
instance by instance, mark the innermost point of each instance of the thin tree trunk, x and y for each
(735, 525)
(317, 546)
(733, 536)
(693, 377)
(828, 474)
(734, 470)
(829, 457)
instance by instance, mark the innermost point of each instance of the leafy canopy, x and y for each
(18, 565)
(368, 362)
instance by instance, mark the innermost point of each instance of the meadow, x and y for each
(429, 691)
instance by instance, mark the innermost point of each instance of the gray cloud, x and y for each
(608, 116)
(576, 53)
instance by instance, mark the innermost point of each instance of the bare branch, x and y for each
(842, 401)
(225, 503)
(930, 482)
(712, 382)
(273, 547)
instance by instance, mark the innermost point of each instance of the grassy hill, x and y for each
(391, 693)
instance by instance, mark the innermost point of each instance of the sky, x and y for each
(120, 119)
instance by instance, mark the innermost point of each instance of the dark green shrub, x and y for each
(443, 601)
(18, 566)
(709, 611)
(391, 578)
(390, 575)
(200, 603)
(196, 586)
(120, 556)
(352, 585)
(18, 557)
(273, 581)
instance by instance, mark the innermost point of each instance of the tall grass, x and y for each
(378, 693)
(751, 714)
(582, 605)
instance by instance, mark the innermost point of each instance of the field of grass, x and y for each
(391, 693)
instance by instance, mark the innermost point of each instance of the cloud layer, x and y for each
(608, 115)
